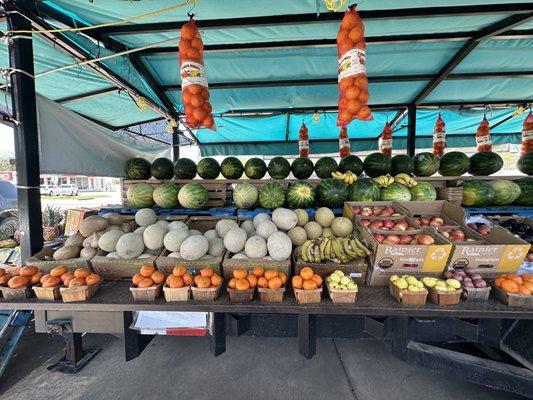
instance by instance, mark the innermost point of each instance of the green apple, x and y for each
(345, 280)
(429, 281)
(420, 284)
(335, 278)
(411, 280)
(451, 289)
(401, 283)
(351, 286)
(343, 287)
(453, 283)
(394, 278)
(413, 288)
(404, 276)
(334, 285)
(440, 287)
(338, 272)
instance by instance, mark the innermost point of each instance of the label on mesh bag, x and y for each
(527, 135)
(439, 137)
(353, 62)
(192, 73)
(483, 140)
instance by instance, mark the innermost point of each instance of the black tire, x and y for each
(9, 225)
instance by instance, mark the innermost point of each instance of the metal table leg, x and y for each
(307, 335)
(218, 334)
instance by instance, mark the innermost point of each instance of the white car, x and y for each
(66, 190)
(48, 190)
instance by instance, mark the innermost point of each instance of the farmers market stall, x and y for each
(429, 246)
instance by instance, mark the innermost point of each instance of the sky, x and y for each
(6, 140)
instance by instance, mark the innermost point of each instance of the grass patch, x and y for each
(74, 198)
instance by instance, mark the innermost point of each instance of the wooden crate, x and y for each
(407, 298)
(205, 294)
(308, 296)
(342, 296)
(229, 264)
(146, 294)
(111, 268)
(166, 264)
(356, 268)
(445, 298)
(203, 223)
(17, 294)
(177, 294)
(241, 296)
(267, 295)
(78, 293)
(48, 293)
(513, 299)
(43, 260)
(452, 194)
(476, 294)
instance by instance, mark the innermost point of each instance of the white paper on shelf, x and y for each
(162, 320)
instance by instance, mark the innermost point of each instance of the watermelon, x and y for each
(272, 195)
(193, 195)
(231, 168)
(301, 195)
(526, 191)
(364, 189)
(325, 166)
(377, 164)
(351, 163)
(302, 168)
(279, 168)
(477, 193)
(454, 163)
(208, 168)
(138, 168)
(332, 193)
(166, 195)
(162, 168)
(402, 164)
(423, 191)
(395, 192)
(485, 163)
(426, 164)
(184, 168)
(505, 192)
(525, 164)
(140, 195)
(245, 195)
(255, 168)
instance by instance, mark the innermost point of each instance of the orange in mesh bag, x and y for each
(439, 137)
(353, 83)
(527, 135)
(194, 90)
(483, 139)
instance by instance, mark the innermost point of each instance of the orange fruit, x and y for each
(196, 100)
(36, 278)
(188, 32)
(66, 275)
(207, 272)
(197, 44)
(345, 117)
(306, 273)
(174, 281)
(194, 53)
(82, 273)
(275, 283)
(4, 279)
(196, 279)
(29, 270)
(253, 280)
(309, 284)
(527, 278)
(208, 121)
(204, 282)
(348, 21)
(297, 281)
(58, 271)
(346, 45)
(346, 83)
(317, 279)
(356, 33)
(343, 103)
(523, 290)
(283, 277)
(186, 97)
(216, 280)
(69, 277)
(53, 281)
(242, 284)
(194, 89)
(352, 93)
(79, 282)
(361, 81)
(187, 279)
(204, 93)
(515, 278)
(364, 113)
(184, 46)
(93, 279)
(232, 283)
(258, 272)
(2, 271)
(353, 107)
(528, 285)
(158, 277)
(147, 271)
(48, 276)
(179, 271)
(498, 281)
(136, 279)
(240, 273)
(18, 281)
(207, 108)
(262, 282)
(199, 113)
(342, 35)
(271, 273)
(509, 286)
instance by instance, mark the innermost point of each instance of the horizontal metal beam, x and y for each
(312, 18)
(85, 96)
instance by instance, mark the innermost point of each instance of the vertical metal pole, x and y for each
(175, 144)
(307, 335)
(411, 130)
(217, 340)
(26, 135)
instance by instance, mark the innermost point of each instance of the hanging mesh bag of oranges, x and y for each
(483, 138)
(439, 137)
(194, 89)
(353, 83)
(527, 135)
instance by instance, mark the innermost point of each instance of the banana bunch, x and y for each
(348, 177)
(405, 180)
(384, 180)
(339, 250)
(8, 244)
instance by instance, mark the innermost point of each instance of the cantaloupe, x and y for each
(194, 247)
(313, 229)
(211, 234)
(140, 230)
(194, 232)
(108, 241)
(224, 225)
(145, 217)
(177, 226)
(324, 216)
(163, 223)
(113, 254)
(153, 236)
(298, 235)
(174, 254)
(266, 228)
(235, 239)
(255, 247)
(279, 246)
(341, 227)
(216, 247)
(248, 226)
(173, 239)
(284, 218)
(260, 218)
(130, 245)
(302, 216)
(114, 218)
(93, 224)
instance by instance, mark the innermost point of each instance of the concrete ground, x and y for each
(251, 369)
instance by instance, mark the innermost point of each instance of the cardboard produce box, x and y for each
(349, 206)
(74, 218)
(113, 268)
(44, 261)
(433, 208)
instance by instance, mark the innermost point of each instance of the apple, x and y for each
(425, 240)
(472, 226)
(377, 211)
(460, 272)
(399, 227)
(468, 284)
(357, 210)
(436, 221)
(484, 230)
(366, 211)
(413, 241)
(376, 225)
(445, 234)
(467, 280)
(388, 224)
(402, 222)
(457, 235)
(479, 283)
(457, 277)
(416, 221)
(388, 241)
(387, 212)
(393, 238)
(475, 276)
(365, 222)
(405, 239)
(424, 221)
(379, 237)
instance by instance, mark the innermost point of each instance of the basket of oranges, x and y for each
(307, 286)
(270, 284)
(177, 285)
(80, 285)
(206, 285)
(241, 287)
(514, 290)
(147, 284)
(16, 282)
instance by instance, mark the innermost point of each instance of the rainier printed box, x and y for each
(74, 218)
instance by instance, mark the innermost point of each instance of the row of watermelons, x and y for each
(479, 193)
(167, 195)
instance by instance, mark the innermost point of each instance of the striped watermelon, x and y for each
(185, 168)
(364, 189)
(525, 164)
(302, 168)
(208, 168)
(301, 195)
(255, 168)
(162, 168)
(377, 164)
(231, 168)
(325, 166)
(245, 195)
(351, 163)
(454, 163)
(505, 192)
(193, 195)
(332, 193)
(166, 195)
(526, 191)
(272, 195)
(485, 163)
(402, 164)
(140, 195)
(138, 168)
(279, 168)
(426, 164)
(423, 191)
(395, 192)
(477, 193)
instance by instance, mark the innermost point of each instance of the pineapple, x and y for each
(6, 241)
(52, 219)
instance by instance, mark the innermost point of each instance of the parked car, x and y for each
(8, 208)
(48, 190)
(66, 190)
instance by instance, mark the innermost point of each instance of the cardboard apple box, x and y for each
(349, 206)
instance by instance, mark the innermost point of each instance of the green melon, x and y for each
(477, 193)
(138, 168)
(525, 164)
(301, 195)
(526, 191)
(377, 164)
(364, 189)
(271, 195)
(245, 195)
(426, 164)
(351, 163)
(162, 168)
(302, 168)
(185, 168)
(208, 168)
(395, 192)
(193, 195)
(140, 195)
(166, 195)
(325, 166)
(332, 193)
(279, 168)
(402, 164)
(454, 163)
(255, 168)
(423, 191)
(505, 192)
(231, 168)
(485, 163)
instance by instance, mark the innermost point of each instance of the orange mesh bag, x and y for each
(344, 142)
(353, 83)
(194, 90)
(527, 135)
(385, 140)
(303, 141)
(439, 137)
(483, 139)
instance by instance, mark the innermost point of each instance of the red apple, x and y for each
(393, 238)
(416, 221)
(366, 211)
(357, 210)
(436, 221)
(376, 224)
(405, 239)
(414, 241)
(425, 240)
(387, 212)
(365, 222)
(379, 237)
(457, 235)
(388, 224)
(484, 230)
(424, 221)
(445, 234)
(399, 227)
(472, 226)
(388, 241)
(377, 211)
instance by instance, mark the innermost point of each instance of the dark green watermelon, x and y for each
(272, 195)
(332, 193)
(426, 164)
(255, 168)
(208, 168)
(231, 168)
(302, 168)
(485, 163)
(364, 189)
(423, 191)
(351, 163)
(526, 191)
(377, 164)
(477, 193)
(138, 168)
(395, 192)
(505, 192)
(279, 168)
(301, 195)
(454, 163)
(185, 168)
(162, 168)
(325, 166)
(525, 164)
(402, 164)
